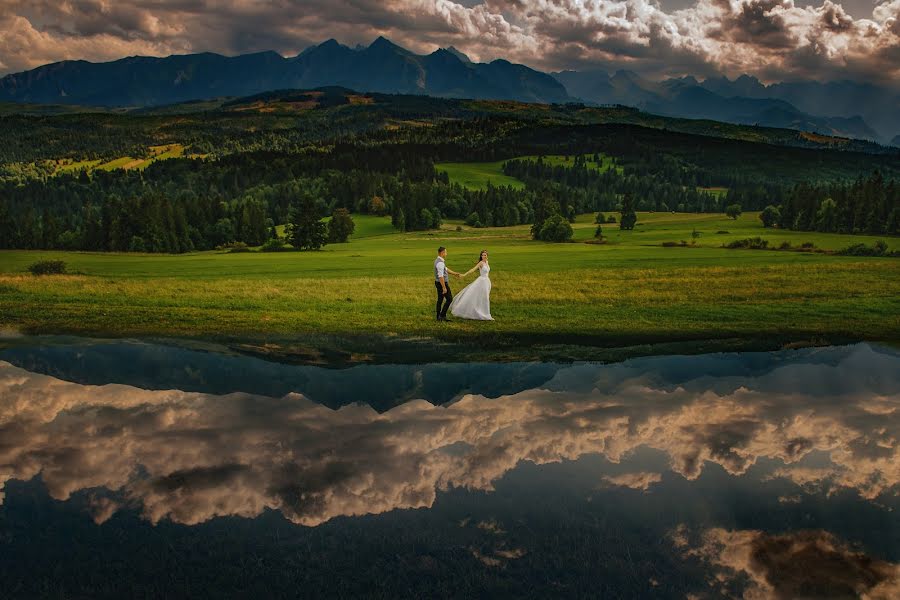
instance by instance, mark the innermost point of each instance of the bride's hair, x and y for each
(480, 254)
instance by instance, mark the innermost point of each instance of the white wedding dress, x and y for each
(474, 301)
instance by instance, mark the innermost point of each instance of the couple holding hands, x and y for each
(474, 301)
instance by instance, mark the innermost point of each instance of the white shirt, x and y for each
(440, 269)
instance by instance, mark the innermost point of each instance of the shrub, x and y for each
(598, 233)
(341, 226)
(377, 206)
(600, 218)
(879, 248)
(754, 243)
(459, 227)
(770, 216)
(556, 229)
(273, 245)
(47, 267)
(233, 247)
(784, 246)
(733, 211)
(473, 220)
(610, 219)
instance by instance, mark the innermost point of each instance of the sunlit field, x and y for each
(626, 291)
(476, 175)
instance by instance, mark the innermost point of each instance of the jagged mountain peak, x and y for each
(458, 54)
(145, 81)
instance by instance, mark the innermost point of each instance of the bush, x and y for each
(473, 220)
(233, 247)
(556, 229)
(754, 243)
(47, 267)
(273, 245)
(628, 220)
(784, 246)
(377, 206)
(598, 233)
(733, 211)
(341, 226)
(770, 216)
(610, 219)
(879, 248)
(600, 218)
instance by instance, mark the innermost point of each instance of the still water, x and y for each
(131, 469)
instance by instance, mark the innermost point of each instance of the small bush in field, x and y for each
(273, 245)
(754, 243)
(879, 248)
(47, 267)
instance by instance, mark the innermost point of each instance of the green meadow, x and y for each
(477, 175)
(156, 153)
(628, 291)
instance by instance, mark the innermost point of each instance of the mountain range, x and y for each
(843, 108)
(380, 67)
(848, 109)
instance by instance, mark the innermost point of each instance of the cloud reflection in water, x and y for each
(191, 456)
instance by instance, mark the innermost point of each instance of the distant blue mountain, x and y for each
(380, 67)
(848, 109)
(862, 111)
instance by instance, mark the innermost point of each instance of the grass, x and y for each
(476, 175)
(626, 292)
(123, 162)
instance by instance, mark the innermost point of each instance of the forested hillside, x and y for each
(97, 181)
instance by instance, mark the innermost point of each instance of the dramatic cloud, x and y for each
(773, 39)
(190, 456)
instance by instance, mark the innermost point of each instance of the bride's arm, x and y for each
(478, 266)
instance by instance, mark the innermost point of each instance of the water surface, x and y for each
(130, 468)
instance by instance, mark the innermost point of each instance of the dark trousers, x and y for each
(442, 298)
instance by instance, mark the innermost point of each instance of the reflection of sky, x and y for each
(726, 456)
(190, 456)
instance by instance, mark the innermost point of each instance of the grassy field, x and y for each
(628, 291)
(476, 175)
(123, 162)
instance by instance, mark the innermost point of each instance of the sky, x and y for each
(774, 40)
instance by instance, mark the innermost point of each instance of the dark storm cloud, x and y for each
(775, 39)
(758, 23)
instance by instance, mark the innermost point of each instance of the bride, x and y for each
(474, 301)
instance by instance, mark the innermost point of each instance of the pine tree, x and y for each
(305, 229)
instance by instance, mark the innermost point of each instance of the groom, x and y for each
(442, 284)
